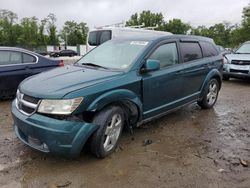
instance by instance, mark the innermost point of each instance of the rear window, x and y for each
(190, 51)
(208, 49)
(98, 37)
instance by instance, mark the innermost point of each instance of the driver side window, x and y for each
(166, 54)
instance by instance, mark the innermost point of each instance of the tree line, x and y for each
(224, 34)
(31, 33)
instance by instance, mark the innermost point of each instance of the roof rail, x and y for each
(120, 24)
(137, 26)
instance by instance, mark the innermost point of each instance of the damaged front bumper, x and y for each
(49, 135)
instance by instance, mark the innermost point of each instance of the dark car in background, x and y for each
(16, 64)
(69, 53)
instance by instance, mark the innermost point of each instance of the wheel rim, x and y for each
(112, 132)
(212, 93)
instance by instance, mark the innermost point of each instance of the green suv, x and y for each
(123, 82)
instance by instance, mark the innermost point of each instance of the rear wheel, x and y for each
(110, 121)
(210, 94)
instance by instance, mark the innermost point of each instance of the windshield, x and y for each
(244, 49)
(114, 54)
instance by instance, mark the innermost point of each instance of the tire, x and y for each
(226, 78)
(210, 94)
(105, 140)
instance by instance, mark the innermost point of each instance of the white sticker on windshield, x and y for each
(143, 43)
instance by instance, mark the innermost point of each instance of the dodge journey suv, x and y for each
(123, 82)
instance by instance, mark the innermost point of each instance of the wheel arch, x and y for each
(126, 99)
(214, 73)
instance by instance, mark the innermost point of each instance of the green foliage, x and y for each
(74, 33)
(156, 20)
(223, 34)
(176, 26)
(146, 18)
(32, 33)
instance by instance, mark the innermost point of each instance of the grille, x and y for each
(239, 71)
(238, 62)
(26, 104)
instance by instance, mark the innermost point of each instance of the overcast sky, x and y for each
(103, 12)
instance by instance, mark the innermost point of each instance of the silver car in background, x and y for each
(237, 65)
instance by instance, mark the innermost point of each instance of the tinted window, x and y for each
(208, 49)
(166, 54)
(28, 58)
(190, 51)
(98, 37)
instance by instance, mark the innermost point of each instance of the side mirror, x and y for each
(151, 65)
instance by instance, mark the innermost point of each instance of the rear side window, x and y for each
(8, 58)
(166, 54)
(190, 51)
(28, 58)
(98, 37)
(208, 49)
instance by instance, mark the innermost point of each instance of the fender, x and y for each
(115, 96)
(213, 73)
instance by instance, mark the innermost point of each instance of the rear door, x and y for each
(162, 88)
(194, 71)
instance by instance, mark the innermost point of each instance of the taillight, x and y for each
(61, 64)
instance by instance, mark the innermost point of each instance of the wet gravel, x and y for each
(188, 148)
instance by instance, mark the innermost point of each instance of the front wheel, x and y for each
(110, 121)
(210, 95)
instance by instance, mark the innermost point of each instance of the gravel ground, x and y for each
(190, 148)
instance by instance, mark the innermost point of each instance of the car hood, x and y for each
(58, 82)
(242, 57)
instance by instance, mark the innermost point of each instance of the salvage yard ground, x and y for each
(188, 148)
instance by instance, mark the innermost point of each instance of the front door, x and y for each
(162, 88)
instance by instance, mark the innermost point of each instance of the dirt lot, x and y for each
(190, 148)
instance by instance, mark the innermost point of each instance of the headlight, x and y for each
(60, 107)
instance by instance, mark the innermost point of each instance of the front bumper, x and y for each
(50, 135)
(236, 71)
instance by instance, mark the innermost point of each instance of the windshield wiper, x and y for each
(94, 65)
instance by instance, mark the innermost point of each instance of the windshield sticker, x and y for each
(142, 43)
